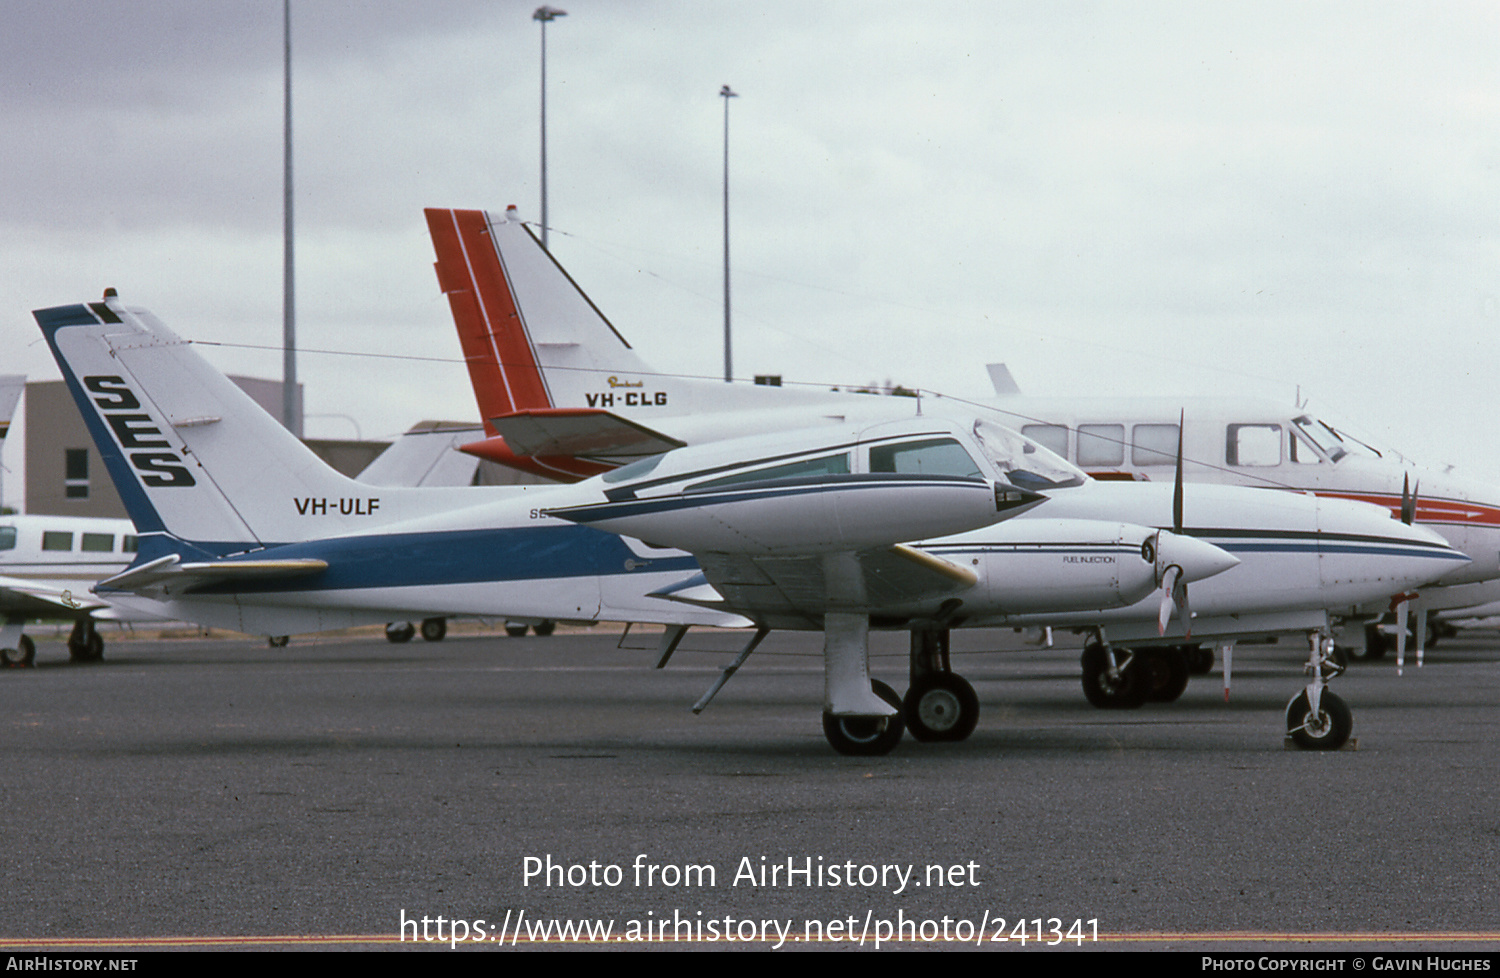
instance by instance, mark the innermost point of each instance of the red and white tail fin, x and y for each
(499, 280)
(561, 392)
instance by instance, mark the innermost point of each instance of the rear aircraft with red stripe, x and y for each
(1257, 442)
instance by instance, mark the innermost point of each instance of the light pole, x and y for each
(290, 415)
(543, 15)
(726, 93)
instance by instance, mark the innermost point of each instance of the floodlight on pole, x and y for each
(544, 15)
(727, 93)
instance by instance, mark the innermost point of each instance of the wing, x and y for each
(46, 598)
(791, 592)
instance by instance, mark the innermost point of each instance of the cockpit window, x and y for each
(826, 465)
(1024, 463)
(1325, 439)
(633, 470)
(929, 456)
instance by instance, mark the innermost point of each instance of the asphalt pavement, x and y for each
(348, 792)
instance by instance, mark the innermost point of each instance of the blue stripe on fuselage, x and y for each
(384, 560)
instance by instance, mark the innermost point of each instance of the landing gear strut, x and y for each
(1315, 718)
(940, 705)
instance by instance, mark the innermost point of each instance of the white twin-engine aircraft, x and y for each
(562, 393)
(884, 521)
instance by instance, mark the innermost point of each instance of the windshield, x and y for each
(1024, 463)
(1332, 442)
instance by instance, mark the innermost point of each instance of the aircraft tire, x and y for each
(278, 641)
(1200, 660)
(22, 656)
(434, 629)
(941, 707)
(544, 628)
(1167, 669)
(1375, 647)
(399, 631)
(515, 629)
(1126, 692)
(1327, 731)
(855, 736)
(88, 649)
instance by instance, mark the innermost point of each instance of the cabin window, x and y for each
(128, 543)
(1253, 444)
(99, 543)
(827, 465)
(1154, 444)
(1052, 437)
(1101, 444)
(57, 540)
(76, 473)
(7, 538)
(932, 456)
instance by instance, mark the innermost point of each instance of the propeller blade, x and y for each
(1177, 484)
(1401, 613)
(1169, 591)
(1180, 599)
(1408, 503)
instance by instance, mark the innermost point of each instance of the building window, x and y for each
(76, 473)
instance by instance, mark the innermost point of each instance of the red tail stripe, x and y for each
(502, 364)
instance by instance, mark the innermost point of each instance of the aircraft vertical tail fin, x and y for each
(532, 338)
(194, 457)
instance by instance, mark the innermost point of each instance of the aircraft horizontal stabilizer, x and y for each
(171, 570)
(580, 432)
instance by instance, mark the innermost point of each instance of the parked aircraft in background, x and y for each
(885, 519)
(48, 563)
(1255, 442)
(556, 382)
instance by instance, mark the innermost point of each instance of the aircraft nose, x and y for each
(1197, 558)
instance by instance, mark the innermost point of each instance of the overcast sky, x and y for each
(1111, 197)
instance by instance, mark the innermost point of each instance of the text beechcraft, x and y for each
(891, 522)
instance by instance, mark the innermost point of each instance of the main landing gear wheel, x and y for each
(940, 707)
(857, 736)
(515, 629)
(278, 641)
(1124, 690)
(433, 629)
(1328, 729)
(22, 656)
(1200, 660)
(1167, 672)
(399, 631)
(85, 644)
(544, 628)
